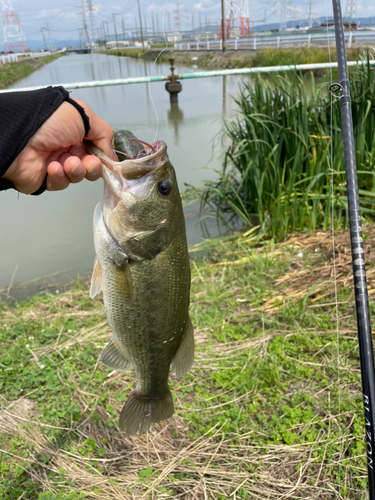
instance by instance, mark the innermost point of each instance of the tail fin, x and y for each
(143, 411)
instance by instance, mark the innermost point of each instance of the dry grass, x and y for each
(169, 462)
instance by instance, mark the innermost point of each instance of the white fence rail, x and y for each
(39, 54)
(9, 58)
(281, 41)
(16, 57)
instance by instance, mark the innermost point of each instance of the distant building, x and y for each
(174, 37)
(328, 25)
(350, 26)
(120, 43)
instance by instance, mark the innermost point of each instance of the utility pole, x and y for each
(140, 23)
(192, 21)
(223, 24)
(123, 27)
(106, 30)
(200, 23)
(114, 24)
(169, 21)
(157, 23)
(145, 19)
(153, 23)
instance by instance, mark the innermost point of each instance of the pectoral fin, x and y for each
(124, 281)
(112, 358)
(184, 356)
(96, 279)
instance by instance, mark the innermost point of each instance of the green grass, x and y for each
(272, 405)
(11, 72)
(277, 171)
(51, 57)
(137, 53)
(312, 55)
(262, 57)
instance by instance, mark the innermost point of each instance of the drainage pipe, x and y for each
(188, 76)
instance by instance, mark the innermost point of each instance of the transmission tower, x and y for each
(237, 23)
(82, 12)
(14, 38)
(48, 33)
(177, 19)
(310, 12)
(283, 15)
(351, 12)
(92, 23)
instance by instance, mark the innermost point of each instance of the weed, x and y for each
(272, 406)
(277, 170)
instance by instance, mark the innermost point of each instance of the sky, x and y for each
(65, 18)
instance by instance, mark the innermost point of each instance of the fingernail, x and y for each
(94, 170)
(78, 169)
(59, 171)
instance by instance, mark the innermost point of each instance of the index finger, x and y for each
(101, 133)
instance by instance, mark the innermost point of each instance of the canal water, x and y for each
(51, 235)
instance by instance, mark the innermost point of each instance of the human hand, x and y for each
(56, 150)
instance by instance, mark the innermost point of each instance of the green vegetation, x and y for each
(272, 407)
(51, 57)
(277, 171)
(11, 72)
(136, 53)
(261, 57)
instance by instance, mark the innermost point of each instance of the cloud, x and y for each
(371, 8)
(48, 13)
(98, 7)
(153, 7)
(54, 13)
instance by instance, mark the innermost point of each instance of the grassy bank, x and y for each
(136, 53)
(261, 57)
(11, 72)
(271, 409)
(277, 171)
(243, 58)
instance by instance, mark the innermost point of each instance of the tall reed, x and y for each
(278, 171)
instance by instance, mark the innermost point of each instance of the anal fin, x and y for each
(112, 358)
(184, 356)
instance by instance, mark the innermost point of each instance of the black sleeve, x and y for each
(21, 115)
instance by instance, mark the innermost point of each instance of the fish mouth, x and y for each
(154, 156)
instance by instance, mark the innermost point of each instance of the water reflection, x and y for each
(45, 234)
(175, 118)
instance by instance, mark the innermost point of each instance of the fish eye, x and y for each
(165, 188)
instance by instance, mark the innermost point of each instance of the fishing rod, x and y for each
(342, 91)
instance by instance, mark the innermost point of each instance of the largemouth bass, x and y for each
(142, 267)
